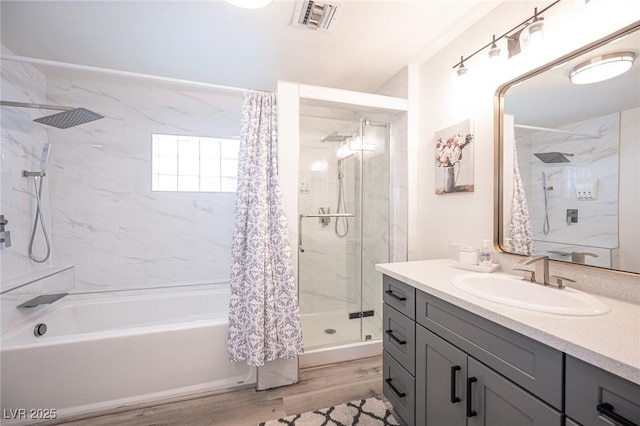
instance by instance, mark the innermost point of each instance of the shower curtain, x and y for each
(521, 234)
(264, 316)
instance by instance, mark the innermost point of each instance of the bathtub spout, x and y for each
(42, 300)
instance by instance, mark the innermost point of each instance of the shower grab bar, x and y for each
(304, 216)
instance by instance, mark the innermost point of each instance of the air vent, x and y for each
(315, 15)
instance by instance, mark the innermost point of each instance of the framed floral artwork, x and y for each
(454, 158)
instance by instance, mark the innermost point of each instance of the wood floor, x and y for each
(319, 387)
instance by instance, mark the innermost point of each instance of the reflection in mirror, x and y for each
(570, 161)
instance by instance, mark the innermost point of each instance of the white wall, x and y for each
(105, 219)
(467, 218)
(630, 190)
(20, 149)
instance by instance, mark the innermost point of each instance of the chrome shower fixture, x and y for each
(553, 157)
(335, 137)
(69, 117)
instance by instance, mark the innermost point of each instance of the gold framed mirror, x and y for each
(568, 158)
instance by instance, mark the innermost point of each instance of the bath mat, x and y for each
(363, 412)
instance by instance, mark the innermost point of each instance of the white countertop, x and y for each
(610, 341)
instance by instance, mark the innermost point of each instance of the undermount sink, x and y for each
(513, 291)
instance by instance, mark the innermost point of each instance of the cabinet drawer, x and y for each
(399, 337)
(399, 295)
(589, 387)
(399, 388)
(533, 365)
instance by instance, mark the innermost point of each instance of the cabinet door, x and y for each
(495, 401)
(441, 370)
(596, 397)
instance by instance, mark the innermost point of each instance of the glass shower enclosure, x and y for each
(343, 227)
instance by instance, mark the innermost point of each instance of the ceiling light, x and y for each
(602, 68)
(250, 4)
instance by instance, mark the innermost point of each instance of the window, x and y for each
(192, 163)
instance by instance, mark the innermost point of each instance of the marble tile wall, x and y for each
(105, 219)
(593, 159)
(20, 149)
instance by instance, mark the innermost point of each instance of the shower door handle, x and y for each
(318, 215)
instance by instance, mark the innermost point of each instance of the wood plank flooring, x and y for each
(319, 387)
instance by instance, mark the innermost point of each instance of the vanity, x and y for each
(452, 358)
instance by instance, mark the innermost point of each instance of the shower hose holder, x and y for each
(41, 173)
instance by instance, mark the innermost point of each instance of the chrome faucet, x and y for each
(44, 299)
(541, 273)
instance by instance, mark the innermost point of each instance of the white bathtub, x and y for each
(108, 350)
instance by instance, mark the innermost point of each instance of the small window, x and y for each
(192, 163)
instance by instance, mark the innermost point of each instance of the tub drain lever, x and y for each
(44, 299)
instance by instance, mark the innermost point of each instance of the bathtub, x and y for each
(108, 350)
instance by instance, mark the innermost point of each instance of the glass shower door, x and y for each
(340, 159)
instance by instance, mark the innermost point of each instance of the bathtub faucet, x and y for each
(44, 299)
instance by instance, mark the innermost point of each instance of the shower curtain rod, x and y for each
(546, 129)
(128, 74)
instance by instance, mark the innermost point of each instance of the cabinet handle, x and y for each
(395, 296)
(398, 341)
(454, 398)
(607, 409)
(394, 389)
(470, 411)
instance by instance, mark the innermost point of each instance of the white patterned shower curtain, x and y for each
(264, 315)
(521, 234)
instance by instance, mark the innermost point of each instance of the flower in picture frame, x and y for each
(449, 150)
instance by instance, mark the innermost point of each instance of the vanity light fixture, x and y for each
(494, 51)
(533, 32)
(462, 70)
(602, 68)
(250, 4)
(532, 27)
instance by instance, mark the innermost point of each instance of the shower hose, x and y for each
(37, 184)
(341, 204)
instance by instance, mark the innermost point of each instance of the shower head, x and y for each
(44, 159)
(553, 157)
(335, 137)
(69, 117)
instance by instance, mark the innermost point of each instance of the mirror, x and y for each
(569, 161)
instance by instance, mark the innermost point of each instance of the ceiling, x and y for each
(215, 42)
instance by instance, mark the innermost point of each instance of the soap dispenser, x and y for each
(485, 253)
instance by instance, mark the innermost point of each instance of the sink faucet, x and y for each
(542, 270)
(541, 274)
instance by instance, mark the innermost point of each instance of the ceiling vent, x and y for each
(315, 15)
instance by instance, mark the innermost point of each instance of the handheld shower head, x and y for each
(44, 158)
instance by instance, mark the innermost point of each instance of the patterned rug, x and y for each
(363, 412)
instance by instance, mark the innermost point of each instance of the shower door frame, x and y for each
(290, 96)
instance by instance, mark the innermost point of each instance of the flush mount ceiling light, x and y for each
(602, 68)
(250, 4)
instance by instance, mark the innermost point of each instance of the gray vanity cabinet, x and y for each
(398, 360)
(455, 389)
(595, 397)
